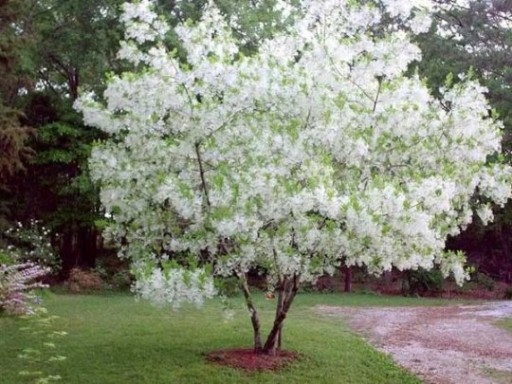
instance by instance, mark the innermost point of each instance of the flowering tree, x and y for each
(316, 147)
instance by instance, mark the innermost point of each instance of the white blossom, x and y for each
(485, 213)
(316, 147)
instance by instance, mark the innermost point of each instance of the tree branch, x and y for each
(253, 313)
(201, 172)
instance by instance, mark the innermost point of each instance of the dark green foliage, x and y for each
(114, 272)
(30, 242)
(228, 286)
(6, 258)
(48, 49)
(121, 280)
(16, 39)
(422, 282)
(76, 43)
(56, 186)
(14, 152)
(485, 281)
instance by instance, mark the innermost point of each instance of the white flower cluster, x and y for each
(175, 286)
(316, 147)
(142, 24)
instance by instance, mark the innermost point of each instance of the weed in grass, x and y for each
(41, 352)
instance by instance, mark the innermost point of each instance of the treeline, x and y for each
(52, 50)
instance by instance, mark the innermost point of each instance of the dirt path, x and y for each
(442, 345)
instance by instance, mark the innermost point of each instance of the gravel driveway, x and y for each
(442, 345)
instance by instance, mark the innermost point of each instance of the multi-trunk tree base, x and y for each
(287, 288)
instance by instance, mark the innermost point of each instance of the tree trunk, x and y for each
(88, 247)
(73, 83)
(253, 313)
(66, 252)
(78, 248)
(388, 278)
(505, 247)
(348, 279)
(287, 290)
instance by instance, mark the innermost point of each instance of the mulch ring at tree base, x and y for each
(248, 360)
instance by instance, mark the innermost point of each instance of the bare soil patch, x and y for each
(248, 360)
(442, 345)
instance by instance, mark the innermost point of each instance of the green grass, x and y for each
(505, 324)
(500, 377)
(370, 299)
(114, 339)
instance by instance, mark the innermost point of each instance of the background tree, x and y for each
(58, 46)
(14, 151)
(476, 36)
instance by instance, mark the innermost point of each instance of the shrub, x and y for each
(31, 243)
(421, 282)
(18, 282)
(122, 280)
(485, 281)
(508, 294)
(82, 281)
(114, 272)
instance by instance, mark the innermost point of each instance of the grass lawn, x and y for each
(506, 324)
(115, 339)
(502, 377)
